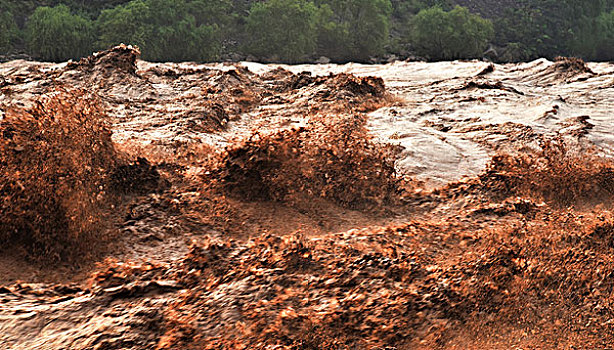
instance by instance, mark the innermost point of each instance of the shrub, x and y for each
(54, 34)
(54, 164)
(283, 28)
(442, 35)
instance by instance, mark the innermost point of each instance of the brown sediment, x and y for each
(488, 85)
(266, 207)
(120, 59)
(489, 69)
(563, 70)
(332, 159)
(556, 173)
(56, 159)
(571, 65)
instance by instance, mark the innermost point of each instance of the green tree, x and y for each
(550, 28)
(605, 43)
(521, 30)
(283, 28)
(124, 24)
(442, 35)
(8, 31)
(165, 30)
(212, 12)
(353, 29)
(581, 27)
(54, 34)
(219, 16)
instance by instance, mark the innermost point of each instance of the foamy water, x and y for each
(446, 128)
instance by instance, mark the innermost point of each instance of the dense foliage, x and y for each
(8, 30)
(604, 50)
(303, 30)
(354, 29)
(165, 30)
(282, 28)
(54, 34)
(450, 35)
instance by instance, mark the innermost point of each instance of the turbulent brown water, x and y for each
(451, 119)
(445, 205)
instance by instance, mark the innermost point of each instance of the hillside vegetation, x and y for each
(304, 30)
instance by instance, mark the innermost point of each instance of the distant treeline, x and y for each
(304, 30)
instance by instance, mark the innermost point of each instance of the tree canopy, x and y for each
(303, 30)
(450, 35)
(165, 30)
(8, 30)
(54, 34)
(282, 28)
